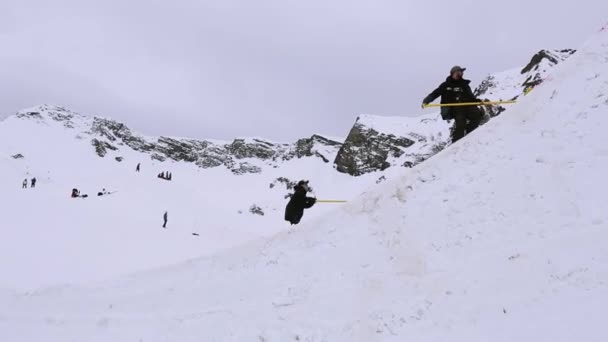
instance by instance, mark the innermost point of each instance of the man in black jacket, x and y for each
(298, 202)
(456, 89)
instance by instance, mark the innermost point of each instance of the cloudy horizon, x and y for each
(278, 69)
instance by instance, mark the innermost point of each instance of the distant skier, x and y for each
(298, 202)
(24, 184)
(456, 89)
(165, 217)
(137, 168)
(33, 182)
(75, 193)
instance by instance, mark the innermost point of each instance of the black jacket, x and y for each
(452, 91)
(298, 202)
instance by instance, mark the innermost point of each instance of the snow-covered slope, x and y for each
(378, 142)
(500, 237)
(50, 238)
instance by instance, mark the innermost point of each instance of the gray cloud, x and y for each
(281, 69)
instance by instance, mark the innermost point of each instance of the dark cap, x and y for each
(456, 68)
(303, 184)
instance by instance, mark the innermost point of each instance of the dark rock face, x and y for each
(545, 54)
(305, 147)
(118, 132)
(259, 149)
(236, 156)
(553, 57)
(102, 147)
(484, 86)
(17, 156)
(245, 167)
(367, 150)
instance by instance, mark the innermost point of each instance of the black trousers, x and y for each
(465, 122)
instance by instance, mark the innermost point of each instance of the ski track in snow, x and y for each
(501, 237)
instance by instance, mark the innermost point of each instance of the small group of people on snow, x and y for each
(456, 89)
(165, 175)
(32, 183)
(76, 194)
(103, 192)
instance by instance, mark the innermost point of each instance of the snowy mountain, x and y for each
(111, 139)
(499, 237)
(376, 143)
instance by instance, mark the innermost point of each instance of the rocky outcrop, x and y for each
(55, 113)
(366, 150)
(543, 57)
(306, 148)
(118, 132)
(554, 57)
(102, 147)
(376, 143)
(256, 210)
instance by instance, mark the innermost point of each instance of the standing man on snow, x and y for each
(456, 89)
(298, 202)
(165, 216)
(33, 182)
(24, 184)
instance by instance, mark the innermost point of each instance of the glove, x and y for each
(424, 104)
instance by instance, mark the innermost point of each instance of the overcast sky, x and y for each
(281, 69)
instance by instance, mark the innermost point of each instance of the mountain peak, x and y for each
(52, 113)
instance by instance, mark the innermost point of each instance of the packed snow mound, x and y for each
(378, 142)
(500, 237)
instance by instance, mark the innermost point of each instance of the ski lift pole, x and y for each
(331, 201)
(487, 103)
